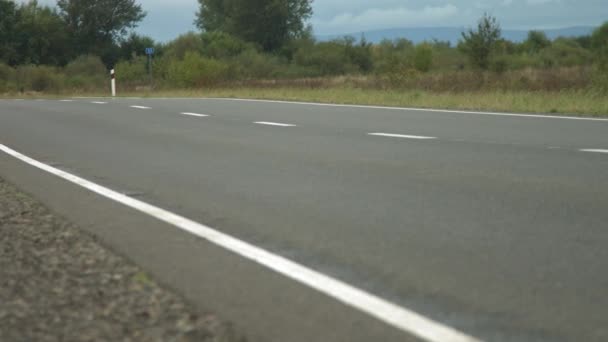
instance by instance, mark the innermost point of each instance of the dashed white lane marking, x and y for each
(140, 107)
(274, 124)
(194, 114)
(66, 100)
(595, 150)
(98, 102)
(390, 313)
(403, 136)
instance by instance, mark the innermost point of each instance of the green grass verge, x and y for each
(580, 103)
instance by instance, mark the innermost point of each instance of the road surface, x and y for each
(494, 227)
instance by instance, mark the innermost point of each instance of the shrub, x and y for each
(39, 78)
(131, 72)
(86, 73)
(253, 64)
(7, 77)
(423, 57)
(221, 45)
(189, 42)
(599, 43)
(87, 65)
(196, 71)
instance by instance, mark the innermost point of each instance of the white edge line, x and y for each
(409, 109)
(594, 150)
(140, 107)
(195, 114)
(274, 124)
(419, 137)
(370, 107)
(399, 317)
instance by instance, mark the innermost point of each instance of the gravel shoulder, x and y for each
(58, 283)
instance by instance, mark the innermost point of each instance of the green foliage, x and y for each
(196, 71)
(135, 45)
(189, 42)
(423, 57)
(41, 36)
(565, 52)
(7, 76)
(131, 72)
(479, 45)
(268, 23)
(390, 56)
(252, 64)
(599, 44)
(8, 23)
(536, 42)
(221, 45)
(337, 57)
(95, 26)
(38, 78)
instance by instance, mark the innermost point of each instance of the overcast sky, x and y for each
(167, 19)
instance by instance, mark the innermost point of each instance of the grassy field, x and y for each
(580, 103)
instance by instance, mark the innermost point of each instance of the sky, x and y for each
(167, 19)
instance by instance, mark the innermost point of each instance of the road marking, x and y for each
(402, 109)
(274, 124)
(194, 114)
(419, 137)
(99, 102)
(66, 100)
(390, 313)
(140, 107)
(595, 150)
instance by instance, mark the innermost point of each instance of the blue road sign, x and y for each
(149, 51)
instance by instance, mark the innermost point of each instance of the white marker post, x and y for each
(113, 82)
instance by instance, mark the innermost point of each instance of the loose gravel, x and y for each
(57, 283)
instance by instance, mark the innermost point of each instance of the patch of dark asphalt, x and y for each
(58, 283)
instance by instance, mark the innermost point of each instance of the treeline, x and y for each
(73, 45)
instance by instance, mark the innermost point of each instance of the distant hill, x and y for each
(451, 34)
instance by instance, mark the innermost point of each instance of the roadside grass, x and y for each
(575, 102)
(591, 103)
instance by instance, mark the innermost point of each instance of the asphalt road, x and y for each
(494, 225)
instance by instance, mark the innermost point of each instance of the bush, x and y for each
(7, 77)
(86, 73)
(196, 71)
(189, 42)
(221, 45)
(423, 57)
(131, 72)
(87, 65)
(253, 64)
(39, 78)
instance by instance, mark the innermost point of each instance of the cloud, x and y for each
(385, 18)
(540, 2)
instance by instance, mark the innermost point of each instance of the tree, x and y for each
(599, 44)
(135, 45)
(480, 44)
(96, 25)
(41, 36)
(268, 23)
(8, 22)
(537, 41)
